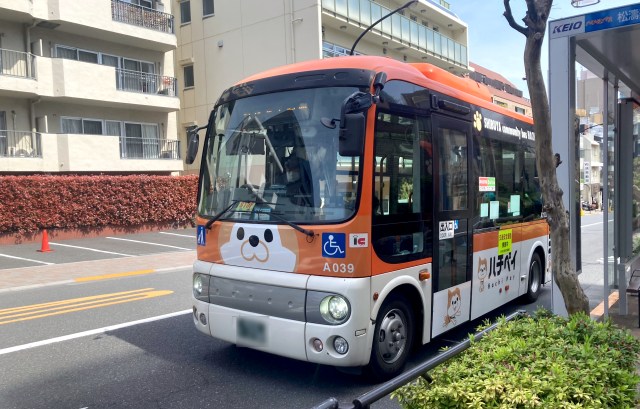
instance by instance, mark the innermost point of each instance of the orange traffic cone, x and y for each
(45, 242)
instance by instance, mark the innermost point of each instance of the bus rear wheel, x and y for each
(392, 340)
(535, 279)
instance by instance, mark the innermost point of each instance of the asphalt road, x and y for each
(130, 343)
(110, 247)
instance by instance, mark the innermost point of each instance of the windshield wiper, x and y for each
(219, 215)
(302, 230)
(295, 226)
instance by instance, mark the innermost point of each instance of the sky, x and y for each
(493, 44)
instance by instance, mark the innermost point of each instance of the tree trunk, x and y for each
(565, 276)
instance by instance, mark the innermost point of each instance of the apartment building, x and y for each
(222, 41)
(503, 92)
(88, 87)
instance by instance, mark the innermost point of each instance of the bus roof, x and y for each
(423, 74)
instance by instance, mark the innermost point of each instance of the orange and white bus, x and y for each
(351, 208)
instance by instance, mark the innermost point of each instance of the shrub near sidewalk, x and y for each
(542, 361)
(31, 203)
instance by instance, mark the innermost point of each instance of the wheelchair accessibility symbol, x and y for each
(333, 245)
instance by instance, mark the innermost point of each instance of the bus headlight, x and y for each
(201, 287)
(334, 309)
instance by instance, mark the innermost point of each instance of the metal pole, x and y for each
(605, 192)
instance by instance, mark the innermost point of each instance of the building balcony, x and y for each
(141, 16)
(20, 144)
(104, 85)
(399, 29)
(149, 148)
(114, 21)
(17, 72)
(89, 153)
(146, 83)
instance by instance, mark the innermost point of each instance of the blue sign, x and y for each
(602, 20)
(202, 236)
(455, 225)
(334, 245)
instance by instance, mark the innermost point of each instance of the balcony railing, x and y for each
(149, 148)
(136, 81)
(20, 144)
(17, 64)
(141, 16)
(399, 28)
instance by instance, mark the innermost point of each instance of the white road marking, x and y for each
(191, 236)
(592, 224)
(90, 249)
(148, 242)
(26, 259)
(91, 332)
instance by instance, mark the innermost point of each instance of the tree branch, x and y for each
(509, 16)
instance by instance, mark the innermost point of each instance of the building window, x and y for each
(81, 126)
(501, 103)
(185, 12)
(520, 110)
(188, 76)
(207, 7)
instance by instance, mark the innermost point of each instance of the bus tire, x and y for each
(535, 278)
(392, 340)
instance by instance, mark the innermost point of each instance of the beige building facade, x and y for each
(88, 87)
(221, 42)
(503, 92)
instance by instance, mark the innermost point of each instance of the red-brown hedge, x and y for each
(31, 203)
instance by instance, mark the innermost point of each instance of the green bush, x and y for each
(540, 361)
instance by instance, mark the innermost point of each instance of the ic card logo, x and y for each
(359, 240)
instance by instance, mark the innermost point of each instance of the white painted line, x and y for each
(90, 249)
(32, 286)
(148, 242)
(191, 236)
(592, 224)
(170, 269)
(91, 332)
(26, 259)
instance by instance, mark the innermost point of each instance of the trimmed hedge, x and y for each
(542, 361)
(31, 203)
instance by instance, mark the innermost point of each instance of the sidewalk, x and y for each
(18, 278)
(629, 321)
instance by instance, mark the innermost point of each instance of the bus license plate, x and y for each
(251, 331)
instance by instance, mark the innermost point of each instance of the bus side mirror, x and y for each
(351, 137)
(193, 140)
(352, 123)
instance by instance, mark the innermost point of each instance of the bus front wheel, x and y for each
(392, 339)
(535, 278)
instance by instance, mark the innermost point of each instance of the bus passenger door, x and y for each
(452, 248)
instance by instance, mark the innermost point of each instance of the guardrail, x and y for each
(374, 395)
(20, 144)
(147, 83)
(17, 64)
(141, 16)
(149, 148)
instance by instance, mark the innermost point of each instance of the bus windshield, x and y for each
(271, 158)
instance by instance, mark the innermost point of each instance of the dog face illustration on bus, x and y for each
(454, 303)
(259, 246)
